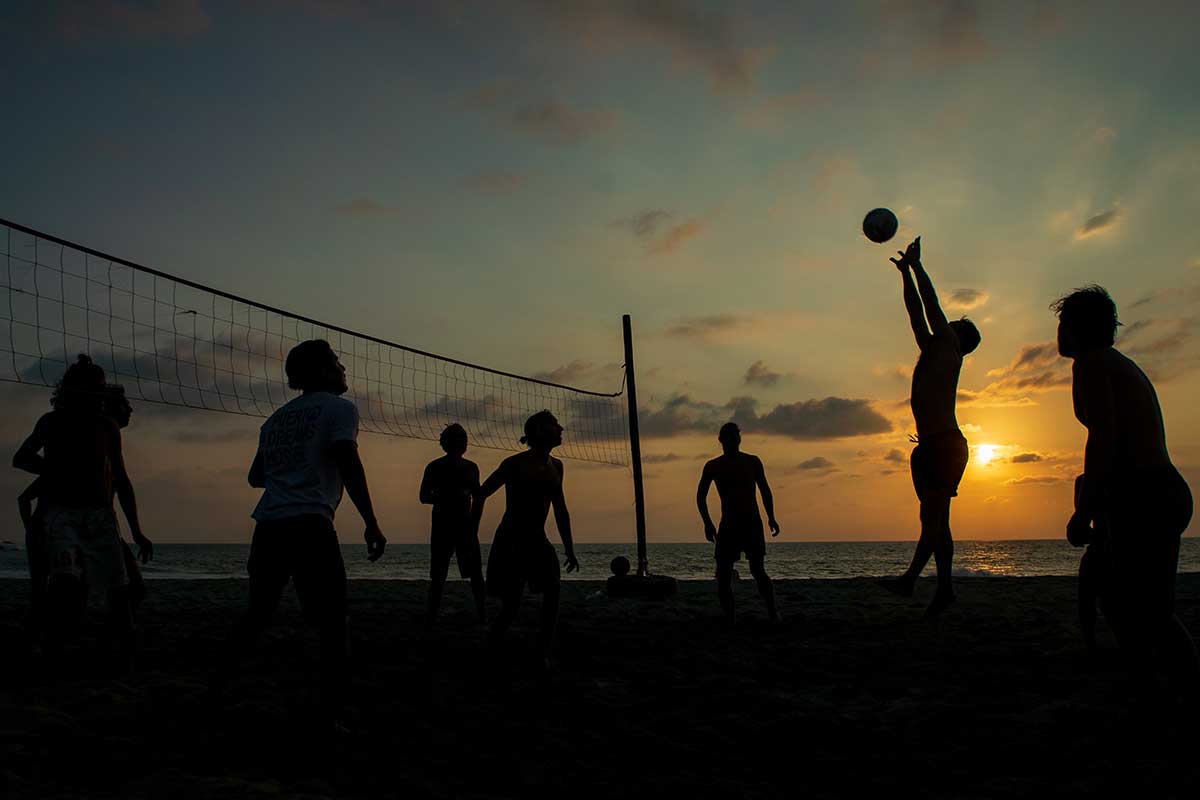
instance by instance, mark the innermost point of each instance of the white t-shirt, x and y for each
(295, 445)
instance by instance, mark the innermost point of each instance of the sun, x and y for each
(985, 454)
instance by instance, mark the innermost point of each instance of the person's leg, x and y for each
(321, 588)
(470, 566)
(725, 588)
(269, 574)
(549, 618)
(765, 587)
(510, 603)
(35, 552)
(439, 567)
(1087, 599)
(119, 628)
(943, 545)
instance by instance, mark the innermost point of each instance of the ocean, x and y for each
(1020, 558)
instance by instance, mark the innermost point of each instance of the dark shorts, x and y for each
(733, 540)
(305, 550)
(515, 562)
(457, 540)
(1148, 512)
(938, 463)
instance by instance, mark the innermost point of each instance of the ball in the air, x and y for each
(619, 566)
(880, 225)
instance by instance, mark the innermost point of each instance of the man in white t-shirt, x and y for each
(307, 453)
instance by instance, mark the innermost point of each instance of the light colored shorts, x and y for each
(86, 543)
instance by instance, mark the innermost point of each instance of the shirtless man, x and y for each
(81, 467)
(447, 485)
(940, 457)
(737, 474)
(521, 553)
(1129, 483)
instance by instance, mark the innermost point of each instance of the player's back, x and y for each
(451, 479)
(79, 449)
(735, 475)
(1140, 437)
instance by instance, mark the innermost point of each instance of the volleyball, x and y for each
(880, 225)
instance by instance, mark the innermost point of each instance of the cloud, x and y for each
(550, 121)
(581, 371)
(558, 124)
(759, 374)
(653, 229)
(706, 326)
(896, 457)
(696, 37)
(817, 465)
(1036, 480)
(1098, 224)
(830, 418)
(158, 19)
(661, 458)
(364, 207)
(771, 114)
(494, 181)
(1035, 368)
(966, 299)
(1026, 458)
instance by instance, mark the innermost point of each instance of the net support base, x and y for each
(641, 587)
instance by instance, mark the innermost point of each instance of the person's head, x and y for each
(116, 405)
(542, 431)
(81, 387)
(968, 335)
(730, 436)
(312, 366)
(454, 439)
(1087, 320)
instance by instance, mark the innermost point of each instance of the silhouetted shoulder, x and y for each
(558, 465)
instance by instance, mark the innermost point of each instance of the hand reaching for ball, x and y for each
(910, 256)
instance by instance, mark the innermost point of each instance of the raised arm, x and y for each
(562, 519)
(706, 479)
(933, 310)
(912, 297)
(354, 478)
(125, 496)
(768, 499)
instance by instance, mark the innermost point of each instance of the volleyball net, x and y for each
(173, 341)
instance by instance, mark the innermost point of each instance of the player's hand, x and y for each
(710, 531)
(145, 547)
(571, 562)
(910, 256)
(376, 542)
(774, 527)
(1079, 530)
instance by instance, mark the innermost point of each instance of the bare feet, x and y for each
(900, 586)
(941, 601)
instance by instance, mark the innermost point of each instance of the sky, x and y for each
(501, 182)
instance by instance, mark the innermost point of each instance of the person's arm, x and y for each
(428, 492)
(354, 478)
(25, 503)
(489, 488)
(27, 457)
(1099, 409)
(258, 474)
(710, 530)
(912, 304)
(562, 519)
(768, 499)
(929, 299)
(125, 496)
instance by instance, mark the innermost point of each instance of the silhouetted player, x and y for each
(940, 457)
(81, 467)
(116, 408)
(1128, 477)
(521, 552)
(307, 452)
(737, 475)
(448, 485)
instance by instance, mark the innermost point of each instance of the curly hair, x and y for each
(81, 387)
(1091, 314)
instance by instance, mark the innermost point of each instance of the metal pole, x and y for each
(635, 446)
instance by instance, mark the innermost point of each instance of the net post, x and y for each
(635, 447)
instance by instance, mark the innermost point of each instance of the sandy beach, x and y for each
(853, 692)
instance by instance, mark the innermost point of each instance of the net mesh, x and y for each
(176, 342)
